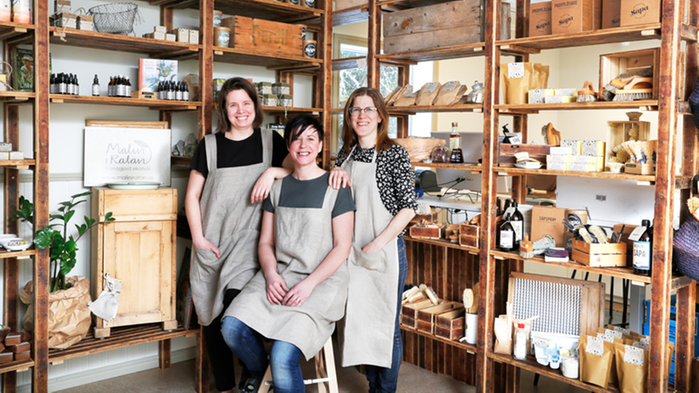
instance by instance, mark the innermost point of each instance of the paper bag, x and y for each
(595, 360)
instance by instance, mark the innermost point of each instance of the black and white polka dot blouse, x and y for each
(394, 175)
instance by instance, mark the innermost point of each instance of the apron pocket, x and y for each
(374, 262)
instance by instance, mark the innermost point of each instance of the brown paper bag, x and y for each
(595, 360)
(503, 336)
(610, 335)
(631, 367)
(428, 93)
(407, 89)
(448, 93)
(517, 81)
(69, 317)
(540, 76)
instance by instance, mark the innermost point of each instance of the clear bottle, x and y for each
(61, 83)
(643, 251)
(185, 92)
(170, 91)
(520, 347)
(457, 155)
(96, 86)
(110, 87)
(120, 86)
(507, 235)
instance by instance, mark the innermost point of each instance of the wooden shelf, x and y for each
(586, 38)
(402, 4)
(262, 9)
(645, 105)
(10, 29)
(443, 243)
(402, 110)
(349, 63)
(350, 15)
(467, 347)
(280, 110)
(446, 165)
(105, 41)
(120, 337)
(16, 366)
(16, 96)
(101, 100)
(531, 365)
(445, 53)
(180, 162)
(4, 254)
(275, 61)
(17, 164)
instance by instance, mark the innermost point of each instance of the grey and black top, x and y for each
(310, 194)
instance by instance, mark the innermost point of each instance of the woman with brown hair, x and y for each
(230, 171)
(382, 182)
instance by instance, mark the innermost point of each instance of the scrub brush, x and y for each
(610, 89)
(633, 95)
(526, 248)
(587, 94)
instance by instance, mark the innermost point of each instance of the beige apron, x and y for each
(371, 302)
(303, 238)
(231, 223)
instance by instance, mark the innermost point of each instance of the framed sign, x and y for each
(127, 155)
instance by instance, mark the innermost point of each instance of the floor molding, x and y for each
(111, 371)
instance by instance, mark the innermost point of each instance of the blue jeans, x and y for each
(248, 346)
(381, 379)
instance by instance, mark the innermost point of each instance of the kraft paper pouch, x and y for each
(517, 81)
(428, 94)
(610, 335)
(540, 77)
(595, 360)
(448, 93)
(503, 335)
(631, 367)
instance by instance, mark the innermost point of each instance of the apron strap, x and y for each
(267, 146)
(211, 152)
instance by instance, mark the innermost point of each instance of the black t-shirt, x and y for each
(310, 194)
(239, 153)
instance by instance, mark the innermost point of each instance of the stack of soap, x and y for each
(562, 96)
(85, 23)
(559, 158)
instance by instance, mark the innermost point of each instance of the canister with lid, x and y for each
(309, 48)
(222, 36)
(217, 18)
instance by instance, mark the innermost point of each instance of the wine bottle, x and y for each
(507, 235)
(518, 223)
(642, 249)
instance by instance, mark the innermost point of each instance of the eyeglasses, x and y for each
(354, 112)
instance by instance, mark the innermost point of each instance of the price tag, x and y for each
(636, 234)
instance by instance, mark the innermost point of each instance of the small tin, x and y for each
(222, 36)
(268, 99)
(309, 48)
(280, 88)
(294, 2)
(265, 88)
(217, 18)
(285, 100)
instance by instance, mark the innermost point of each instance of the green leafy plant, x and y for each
(62, 247)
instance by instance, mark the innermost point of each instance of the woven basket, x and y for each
(685, 244)
(114, 18)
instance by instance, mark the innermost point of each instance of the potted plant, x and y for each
(68, 296)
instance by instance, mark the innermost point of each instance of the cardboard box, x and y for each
(263, 35)
(539, 18)
(160, 29)
(150, 72)
(611, 14)
(181, 35)
(194, 37)
(450, 325)
(640, 12)
(16, 155)
(426, 316)
(599, 255)
(571, 16)
(548, 220)
(640, 169)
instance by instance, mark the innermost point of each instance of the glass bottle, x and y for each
(170, 91)
(110, 87)
(185, 92)
(457, 156)
(520, 347)
(61, 83)
(517, 221)
(96, 86)
(76, 85)
(52, 84)
(643, 250)
(127, 87)
(178, 91)
(507, 235)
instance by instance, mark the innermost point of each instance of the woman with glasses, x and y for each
(230, 170)
(382, 183)
(301, 289)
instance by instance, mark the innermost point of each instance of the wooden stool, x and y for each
(326, 376)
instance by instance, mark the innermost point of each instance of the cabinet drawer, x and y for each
(135, 205)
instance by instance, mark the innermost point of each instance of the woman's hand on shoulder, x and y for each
(203, 244)
(276, 288)
(299, 293)
(262, 187)
(339, 178)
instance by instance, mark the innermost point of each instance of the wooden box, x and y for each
(550, 297)
(506, 158)
(13, 339)
(427, 232)
(619, 132)
(21, 347)
(439, 25)
(539, 19)
(599, 255)
(418, 218)
(572, 16)
(450, 325)
(625, 240)
(3, 333)
(264, 36)
(426, 316)
(150, 95)
(613, 64)
(640, 169)
(137, 248)
(6, 356)
(468, 235)
(409, 312)
(20, 356)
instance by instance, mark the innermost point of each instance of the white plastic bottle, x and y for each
(520, 350)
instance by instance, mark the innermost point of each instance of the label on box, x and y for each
(536, 96)
(576, 146)
(559, 159)
(515, 70)
(566, 92)
(5, 146)
(540, 18)
(636, 234)
(561, 150)
(556, 166)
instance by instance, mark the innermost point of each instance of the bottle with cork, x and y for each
(457, 156)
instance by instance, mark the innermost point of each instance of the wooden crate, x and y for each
(599, 255)
(426, 316)
(613, 64)
(418, 218)
(439, 25)
(547, 302)
(450, 325)
(506, 158)
(619, 132)
(640, 169)
(468, 235)
(409, 312)
(430, 232)
(625, 240)
(264, 36)
(137, 248)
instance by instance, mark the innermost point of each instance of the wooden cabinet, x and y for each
(137, 248)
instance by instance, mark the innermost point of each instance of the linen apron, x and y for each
(231, 223)
(303, 238)
(371, 303)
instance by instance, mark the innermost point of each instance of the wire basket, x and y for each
(115, 18)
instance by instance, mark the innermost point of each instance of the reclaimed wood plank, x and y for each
(586, 38)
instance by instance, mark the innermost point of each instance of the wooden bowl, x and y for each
(419, 148)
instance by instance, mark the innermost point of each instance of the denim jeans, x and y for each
(381, 379)
(248, 346)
